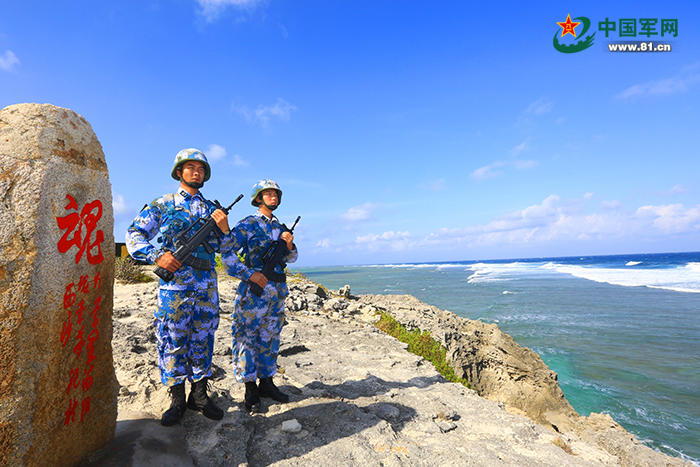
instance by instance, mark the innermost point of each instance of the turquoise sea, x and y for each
(622, 331)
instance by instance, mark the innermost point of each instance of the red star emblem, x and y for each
(568, 26)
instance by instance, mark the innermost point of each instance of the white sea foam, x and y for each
(502, 272)
(685, 278)
(680, 279)
(633, 263)
(417, 265)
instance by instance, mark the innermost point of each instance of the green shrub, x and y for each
(296, 274)
(421, 344)
(130, 272)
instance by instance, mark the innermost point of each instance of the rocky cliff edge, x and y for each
(359, 398)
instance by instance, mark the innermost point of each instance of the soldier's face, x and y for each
(270, 197)
(192, 172)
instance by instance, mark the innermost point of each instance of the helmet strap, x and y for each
(271, 208)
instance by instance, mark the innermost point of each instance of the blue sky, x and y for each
(400, 131)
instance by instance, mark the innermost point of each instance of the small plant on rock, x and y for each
(130, 272)
(422, 344)
(563, 445)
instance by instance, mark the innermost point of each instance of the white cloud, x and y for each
(672, 218)
(119, 206)
(281, 110)
(611, 205)
(539, 107)
(435, 185)
(8, 61)
(679, 83)
(216, 152)
(325, 243)
(520, 164)
(497, 168)
(554, 225)
(359, 213)
(394, 241)
(519, 148)
(564, 222)
(489, 171)
(527, 119)
(239, 162)
(211, 9)
(677, 190)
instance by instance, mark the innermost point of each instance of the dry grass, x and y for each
(563, 445)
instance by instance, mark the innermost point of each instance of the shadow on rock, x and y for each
(369, 387)
(143, 442)
(336, 425)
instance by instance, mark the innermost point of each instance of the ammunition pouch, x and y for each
(197, 263)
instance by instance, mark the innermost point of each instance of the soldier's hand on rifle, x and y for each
(289, 240)
(168, 261)
(259, 278)
(221, 220)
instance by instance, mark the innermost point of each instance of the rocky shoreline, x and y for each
(359, 398)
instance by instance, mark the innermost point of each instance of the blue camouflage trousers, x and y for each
(257, 324)
(185, 324)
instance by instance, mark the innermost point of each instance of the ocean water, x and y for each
(622, 332)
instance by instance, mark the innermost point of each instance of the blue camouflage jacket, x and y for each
(251, 237)
(168, 216)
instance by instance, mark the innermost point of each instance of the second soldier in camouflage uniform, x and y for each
(188, 306)
(257, 321)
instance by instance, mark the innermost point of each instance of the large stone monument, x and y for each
(58, 390)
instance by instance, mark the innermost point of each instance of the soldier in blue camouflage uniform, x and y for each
(257, 321)
(188, 306)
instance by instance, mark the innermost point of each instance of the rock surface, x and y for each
(494, 364)
(357, 398)
(58, 399)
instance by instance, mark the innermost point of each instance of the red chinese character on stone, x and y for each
(74, 224)
(98, 281)
(91, 345)
(78, 348)
(69, 296)
(93, 313)
(90, 351)
(70, 413)
(85, 408)
(67, 330)
(83, 285)
(87, 381)
(74, 379)
(79, 312)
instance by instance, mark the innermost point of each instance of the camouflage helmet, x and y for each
(190, 155)
(261, 186)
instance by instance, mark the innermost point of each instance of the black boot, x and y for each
(268, 389)
(177, 405)
(252, 398)
(199, 400)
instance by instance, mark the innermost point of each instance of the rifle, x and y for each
(188, 246)
(272, 257)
